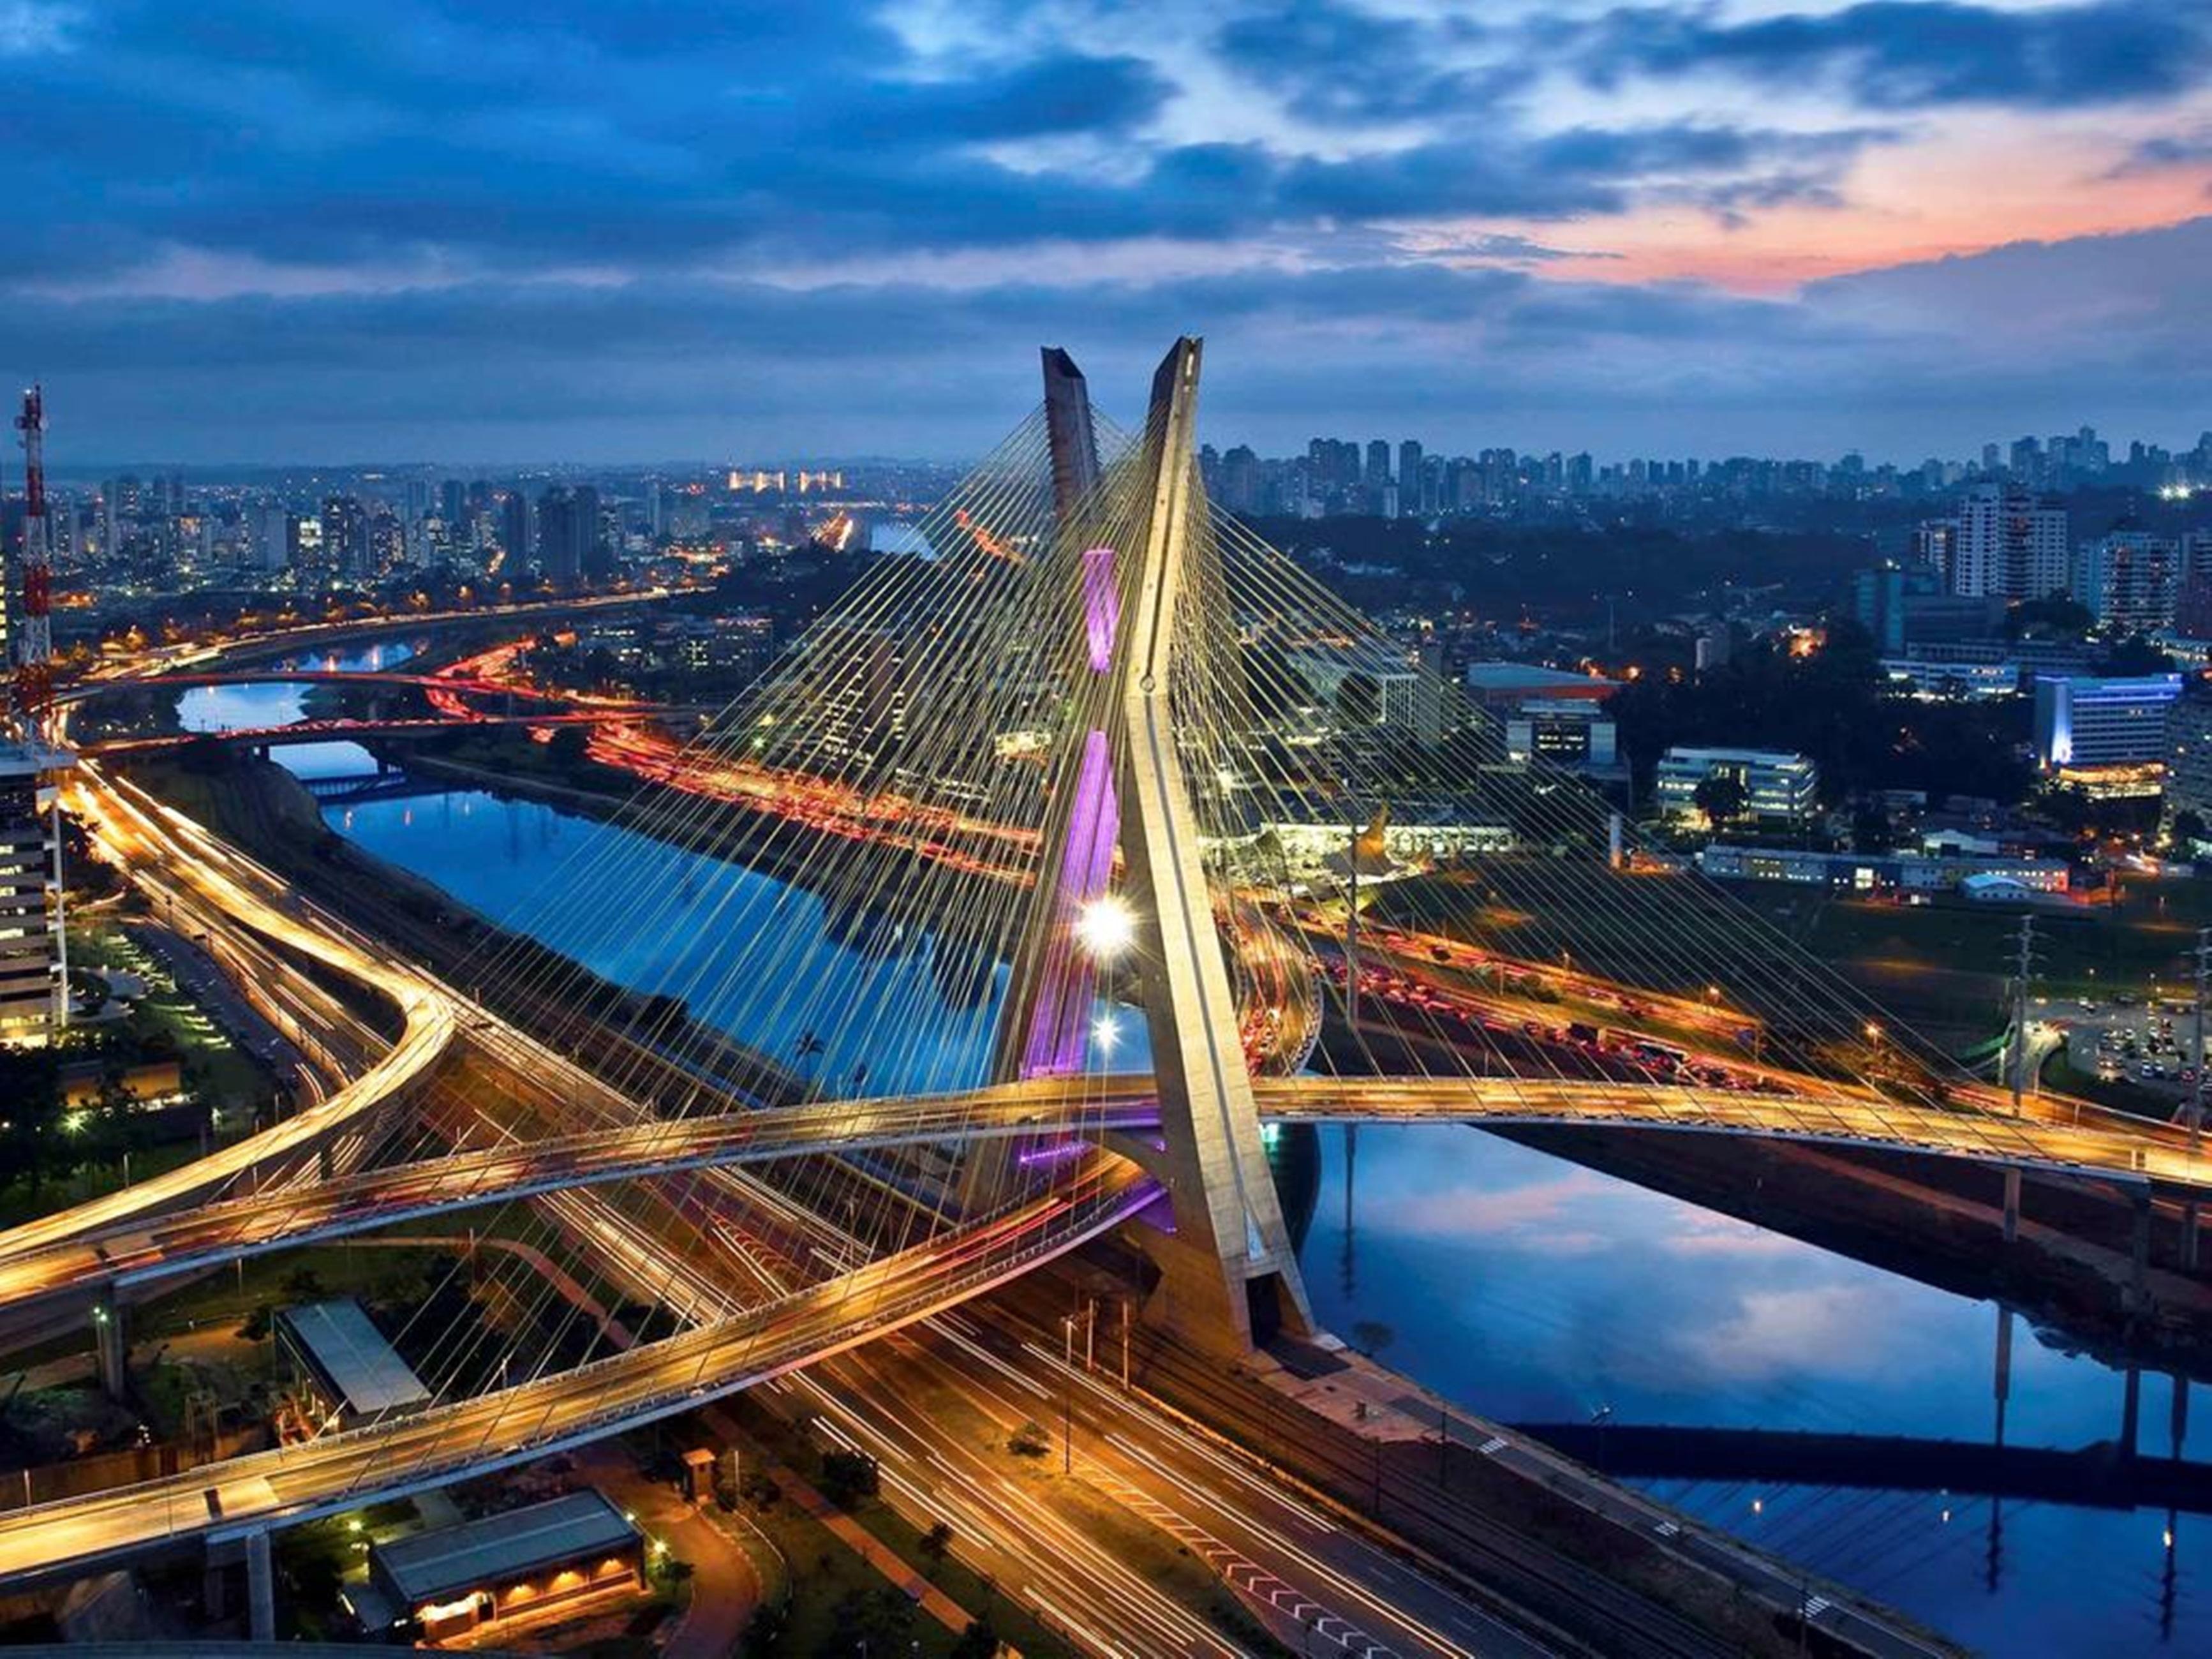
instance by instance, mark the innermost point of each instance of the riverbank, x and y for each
(2070, 1271)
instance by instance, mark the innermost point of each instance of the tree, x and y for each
(2188, 830)
(847, 1477)
(978, 1641)
(935, 1544)
(571, 746)
(1721, 798)
(2133, 655)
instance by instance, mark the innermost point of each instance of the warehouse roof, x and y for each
(497, 1549)
(350, 1357)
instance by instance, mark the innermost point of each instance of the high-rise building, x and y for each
(1240, 480)
(1936, 547)
(569, 538)
(515, 537)
(1377, 471)
(306, 554)
(32, 982)
(345, 538)
(2010, 544)
(1410, 500)
(2130, 579)
(269, 531)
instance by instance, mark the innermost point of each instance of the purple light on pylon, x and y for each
(1092, 828)
(1102, 607)
(1058, 1152)
(1061, 1027)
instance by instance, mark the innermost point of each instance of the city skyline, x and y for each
(252, 235)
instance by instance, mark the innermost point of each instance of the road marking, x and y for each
(1239, 1571)
(1494, 1445)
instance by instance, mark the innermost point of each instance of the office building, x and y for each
(1778, 787)
(2009, 544)
(2108, 736)
(33, 980)
(1877, 873)
(1576, 734)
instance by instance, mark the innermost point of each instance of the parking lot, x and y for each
(2149, 1044)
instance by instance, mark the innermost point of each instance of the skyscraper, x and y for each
(1410, 499)
(515, 528)
(568, 532)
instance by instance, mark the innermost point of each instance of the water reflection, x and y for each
(1532, 1289)
(1524, 1286)
(231, 707)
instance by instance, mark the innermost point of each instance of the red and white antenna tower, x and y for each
(34, 645)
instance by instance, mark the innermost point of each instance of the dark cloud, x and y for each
(1906, 362)
(555, 177)
(2168, 150)
(467, 136)
(1336, 64)
(1910, 54)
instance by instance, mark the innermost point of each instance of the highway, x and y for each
(471, 1439)
(145, 837)
(209, 1235)
(1316, 1583)
(56, 1256)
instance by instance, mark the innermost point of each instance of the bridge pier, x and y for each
(111, 1346)
(2012, 1203)
(2139, 1265)
(260, 1587)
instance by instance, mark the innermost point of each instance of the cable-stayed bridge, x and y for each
(991, 924)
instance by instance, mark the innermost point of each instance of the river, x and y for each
(1529, 1288)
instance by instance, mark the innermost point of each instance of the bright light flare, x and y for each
(1106, 927)
(1105, 1031)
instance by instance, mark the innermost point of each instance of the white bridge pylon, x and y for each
(1229, 1276)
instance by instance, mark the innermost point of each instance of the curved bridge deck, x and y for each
(39, 1262)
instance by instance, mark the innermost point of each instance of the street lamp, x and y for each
(1106, 927)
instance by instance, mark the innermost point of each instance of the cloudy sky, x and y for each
(635, 229)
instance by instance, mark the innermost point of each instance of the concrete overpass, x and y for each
(44, 1261)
